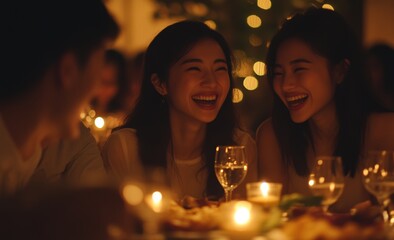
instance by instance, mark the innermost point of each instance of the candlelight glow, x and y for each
(311, 182)
(242, 213)
(321, 179)
(99, 122)
(264, 188)
(155, 201)
(92, 113)
(132, 194)
(156, 197)
(332, 187)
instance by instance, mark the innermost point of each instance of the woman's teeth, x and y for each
(204, 99)
(296, 100)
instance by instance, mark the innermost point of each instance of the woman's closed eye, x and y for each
(222, 68)
(278, 74)
(299, 69)
(193, 68)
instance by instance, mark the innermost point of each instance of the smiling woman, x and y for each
(184, 112)
(320, 105)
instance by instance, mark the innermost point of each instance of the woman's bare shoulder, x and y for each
(265, 130)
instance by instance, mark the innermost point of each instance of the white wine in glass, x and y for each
(327, 179)
(230, 167)
(378, 178)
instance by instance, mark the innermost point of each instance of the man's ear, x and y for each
(160, 87)
(67, 70)
(340, 70)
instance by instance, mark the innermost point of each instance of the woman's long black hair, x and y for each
(329, 36)
(151, 116)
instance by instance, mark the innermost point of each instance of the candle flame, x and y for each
(242, 213)
(264, 188)
(99, 122)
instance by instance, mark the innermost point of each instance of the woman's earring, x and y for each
(163, 99)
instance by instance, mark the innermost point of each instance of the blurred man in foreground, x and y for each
(54, 51)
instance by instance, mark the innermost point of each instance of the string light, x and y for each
(250, 83)
(328, 6)
(211, 24)
(253, 21)
(259, 68)
(237, 95)
(264, 4)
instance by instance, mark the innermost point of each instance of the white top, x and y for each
(121, 158)
(76, 161)
(15, 171)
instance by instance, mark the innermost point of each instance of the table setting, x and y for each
(266, 213)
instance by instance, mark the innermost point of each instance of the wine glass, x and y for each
(378, 178)
(230, 167)
(327, 179)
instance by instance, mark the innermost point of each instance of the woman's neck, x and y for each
(324, 126)
(187, 138)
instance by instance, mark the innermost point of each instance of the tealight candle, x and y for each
(155, 201)
(242, 218)
(264, 193)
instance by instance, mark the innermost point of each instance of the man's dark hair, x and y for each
(35, 34)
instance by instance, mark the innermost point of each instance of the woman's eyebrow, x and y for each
(300, 60)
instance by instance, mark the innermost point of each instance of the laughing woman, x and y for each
(185, 110)
(320, 107)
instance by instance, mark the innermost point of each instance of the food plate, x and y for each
(187, 235)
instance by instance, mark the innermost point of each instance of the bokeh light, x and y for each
(264, 4)
(250, 83)
(211, 24)
(328, 6)
(254, 21)
(237, 95)
(99, 122)
(259, 68)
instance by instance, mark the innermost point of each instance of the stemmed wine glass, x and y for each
(230, 167)
(378, 178)
(327, 179)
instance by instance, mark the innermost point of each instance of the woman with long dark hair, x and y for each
(184, 111)
(320, 105)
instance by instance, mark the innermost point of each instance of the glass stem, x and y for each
(384, 204)
(228, 194)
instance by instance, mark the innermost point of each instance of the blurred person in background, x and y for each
(108, 99)
(381, 67)
(135, 72)
(48, 77)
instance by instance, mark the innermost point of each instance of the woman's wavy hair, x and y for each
(151, 116)
(328, 35)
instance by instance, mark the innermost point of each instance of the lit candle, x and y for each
(243, 219)
(155, 201)
(263, 193)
